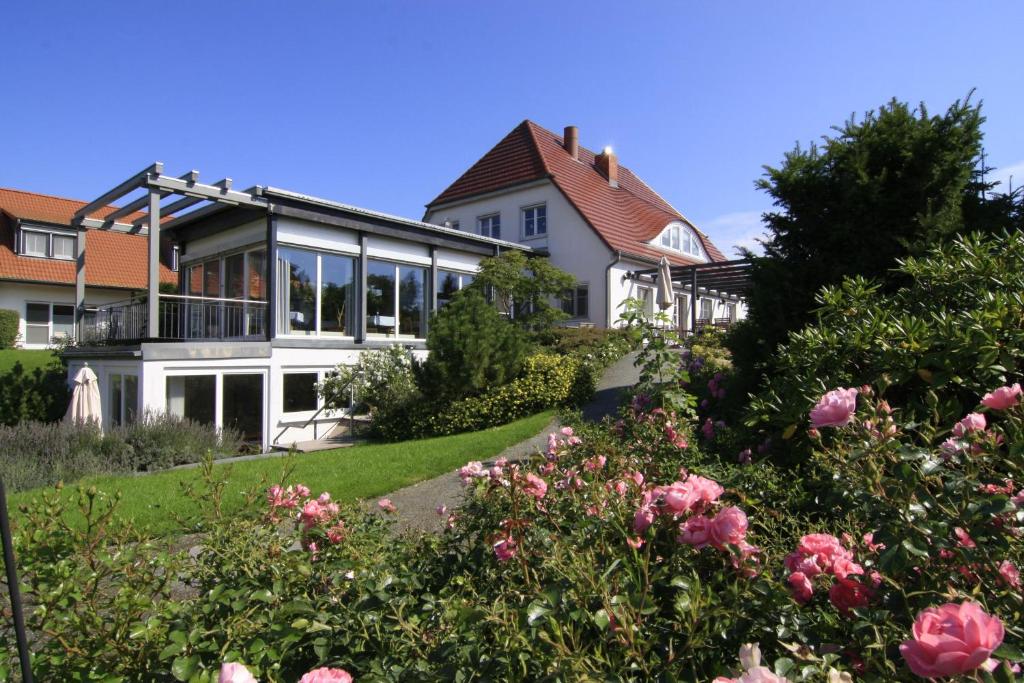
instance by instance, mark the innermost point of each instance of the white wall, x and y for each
(573, 245)
(225, 240)
(14, 296)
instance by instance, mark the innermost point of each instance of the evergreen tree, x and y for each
(525, 287)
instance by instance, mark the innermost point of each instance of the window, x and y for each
(124, 399)
(730, 310)
(392, 288)
(37, 323)
(175, 258)
(242, 405)
(234, 277)
(449, 282)
(576, 302)
(707, 309)
(679, 237)
(535, 220)
(300, 391)
(337, 295)
(646, 296)
(298, 284)
(454, 225)
(48, 244)
(490, 226)
(64, 247)
(63, 321)
(193, 397)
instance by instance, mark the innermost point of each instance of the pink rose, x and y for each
(843, 567)
(311, 514)
(535, 486)
(325, 675)
(324, 498)
(386, 505)
(847, 594)
(336, 534)
(643, 519)
(835, 409)
(729, 527)
(505, 549)
(964, 539)
(803, 564)
(801, 586)
(1009, 573)
(441, 510)
(974, 422)
(951, 639)
(824, 548)
(235, 673)
(472, 471)
(696, 531)
(301, 491)
(1002, 398)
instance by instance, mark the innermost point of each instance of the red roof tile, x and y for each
(626, 218)
(113, 259)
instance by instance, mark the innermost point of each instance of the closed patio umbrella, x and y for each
(664, 284)
(85, 399)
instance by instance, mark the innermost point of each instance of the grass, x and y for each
(29, 359)
(155, 501)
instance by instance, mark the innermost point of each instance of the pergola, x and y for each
(186, 192)
(731, 278)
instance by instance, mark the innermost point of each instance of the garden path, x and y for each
(416, 505)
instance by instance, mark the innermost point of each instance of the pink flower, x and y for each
(567, 431)
(708, 429)
(535, 486)
(386, 505)
(951, 639)
(744, 457)
(693, 494)
(325, 675)
(441, 510)
(801, 586)
(301, 491)
(974, 422)
(824, 548)
(336, 534)
(729, 527)
(1009, 573)
(643, 519)
(505, 549)
(621, 487)
(798, 563)
(501, 462)
(964, 539)
(696, 531)
(635, 543)
(235, 673)
(1002, 398)
(835, 409)
(843, 567)
(311, 515)
(324, 498)
(847, 594)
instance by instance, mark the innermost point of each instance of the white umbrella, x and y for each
(85, 399)
(664, 284)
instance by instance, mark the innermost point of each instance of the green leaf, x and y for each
(1010, 652)
(171, 650)
(601, 618)
(183, 667)
(908, 544)
(262, 596)
(535, 611)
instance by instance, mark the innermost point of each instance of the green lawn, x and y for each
(29, 359)
(347, 473)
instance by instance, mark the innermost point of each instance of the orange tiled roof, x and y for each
(113, 259)
(626, 217)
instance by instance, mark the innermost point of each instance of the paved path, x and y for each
(417, 504)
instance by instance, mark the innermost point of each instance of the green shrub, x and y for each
(9, 322)
(38, 394)
(933, 346)
(161, 440)
(381, 379)
(472, 349)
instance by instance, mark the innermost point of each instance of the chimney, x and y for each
(608, 165)
(571, 141)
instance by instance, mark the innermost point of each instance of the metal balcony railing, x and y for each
(181, 318)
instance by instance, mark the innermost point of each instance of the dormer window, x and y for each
(47, 244)
(682, 238)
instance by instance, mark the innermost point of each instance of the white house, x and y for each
(594, 218)
(38, 248)
(275, 289)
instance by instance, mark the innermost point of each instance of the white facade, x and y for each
(574, 247)
(16, 296)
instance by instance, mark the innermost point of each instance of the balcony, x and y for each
(181, 318)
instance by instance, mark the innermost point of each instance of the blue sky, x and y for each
(382, 104)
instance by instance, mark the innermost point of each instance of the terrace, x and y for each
(728, 278)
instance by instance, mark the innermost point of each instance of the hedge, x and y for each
(8, 328)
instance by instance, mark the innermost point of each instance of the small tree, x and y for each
(525, 287)
(472, 348)
(381, 380)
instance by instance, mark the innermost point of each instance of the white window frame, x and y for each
(398, 297)
(648, 300)
(49, 322)
(711, 305)
(682, 239)
(276, 300)
(24, 243)
(218, 392)
(122, 375)
(48, 236)
(303, 415)
(53, 246)
(523, 219)
(490, 218)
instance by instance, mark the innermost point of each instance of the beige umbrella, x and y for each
(85, 399)
(664, 284)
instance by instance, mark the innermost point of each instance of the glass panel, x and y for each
(63, 247)
(675, 237)
(192, 396)
(298, 290)
(211, 279)
(243, 405)
(447, 285)
(666, 238)
(37, 314)
(258, 275)
(115, 400)
(582, 302)
(706, 308)
(63, 320)
(195, 280)
(528, 222)
(300, 391)
(380, 298)
(36, 243)
(467, 280)
(131, 398)
(234, 277)
(337, 295)
(412, 301)
(542, 220)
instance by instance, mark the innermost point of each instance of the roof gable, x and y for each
(626, 218)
